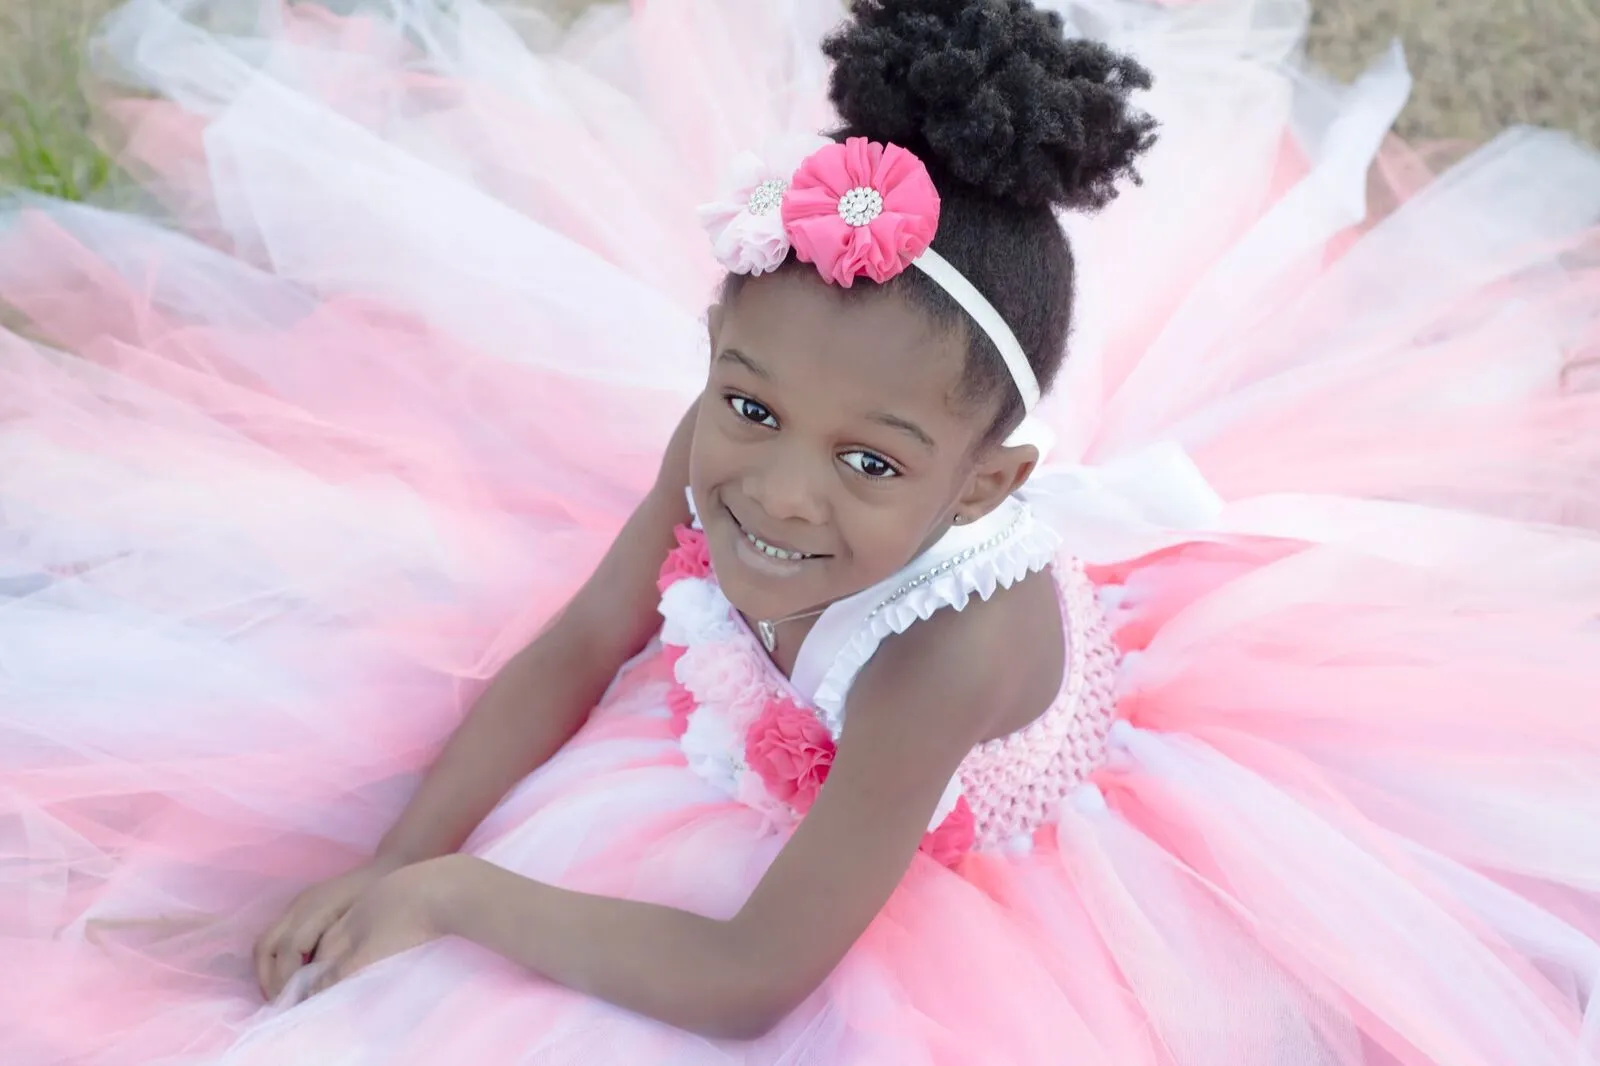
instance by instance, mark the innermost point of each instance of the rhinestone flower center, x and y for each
(766, 197)
(860, 205)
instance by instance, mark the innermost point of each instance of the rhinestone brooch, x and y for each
(766, 197)
(860, 205)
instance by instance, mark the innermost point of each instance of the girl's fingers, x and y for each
(267, 949)
(337, 953)
(293, 950)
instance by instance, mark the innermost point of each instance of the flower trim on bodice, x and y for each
(753, 733)
(737, 718)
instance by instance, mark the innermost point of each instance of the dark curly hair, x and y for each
(1013, 121)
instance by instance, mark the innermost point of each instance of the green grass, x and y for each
(47, 154)
(45, 140)
(46, 143)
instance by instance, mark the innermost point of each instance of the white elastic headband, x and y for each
(1030, 430)
(988, 319)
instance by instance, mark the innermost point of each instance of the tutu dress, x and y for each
(294, 460)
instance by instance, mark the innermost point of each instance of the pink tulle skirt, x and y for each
(293, 459)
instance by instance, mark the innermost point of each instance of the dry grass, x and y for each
(1480, 64)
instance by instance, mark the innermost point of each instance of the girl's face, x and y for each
(832, 445)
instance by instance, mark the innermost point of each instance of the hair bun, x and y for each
(991, 94)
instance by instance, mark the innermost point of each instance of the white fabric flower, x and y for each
(694, 611)
(745, 223)
(751, 791)
(714, 748)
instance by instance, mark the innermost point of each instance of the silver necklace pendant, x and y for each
(767, 630)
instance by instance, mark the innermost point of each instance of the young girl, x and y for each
(1236, 707)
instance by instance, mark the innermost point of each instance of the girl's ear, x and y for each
(1002, 471)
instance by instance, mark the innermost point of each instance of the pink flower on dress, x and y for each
(690, 559)
(680, 705)
(727, 674)
(954, 837)
(792, 752)
(861, 208)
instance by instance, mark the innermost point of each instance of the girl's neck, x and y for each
(782, 638)
(788, 635)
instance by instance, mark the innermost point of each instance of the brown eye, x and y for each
(752, 411)
(869, 465)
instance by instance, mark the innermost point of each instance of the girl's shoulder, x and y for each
(980, 610)
(1008, 648)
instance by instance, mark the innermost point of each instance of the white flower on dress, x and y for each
(752, 791)
(745, 223)
(694, 611)
(714, 747)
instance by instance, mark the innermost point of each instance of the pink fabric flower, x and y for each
(730, 675)
(744, 223)
(792, 751)
(954, 837)
(680, 705)
(691, 558)
(861, 209)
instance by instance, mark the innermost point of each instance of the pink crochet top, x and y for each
(1015, 783)
(768, 740)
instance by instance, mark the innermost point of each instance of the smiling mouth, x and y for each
(772, 551)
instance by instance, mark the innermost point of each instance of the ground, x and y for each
(1479, 65)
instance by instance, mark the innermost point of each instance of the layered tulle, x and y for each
(283, 482)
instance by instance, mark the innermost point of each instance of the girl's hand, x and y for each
(293, 940)
(396, 914)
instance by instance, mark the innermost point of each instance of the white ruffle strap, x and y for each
(994, 553)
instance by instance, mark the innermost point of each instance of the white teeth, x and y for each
(776, 553)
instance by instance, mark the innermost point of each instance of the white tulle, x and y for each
(292, 464)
